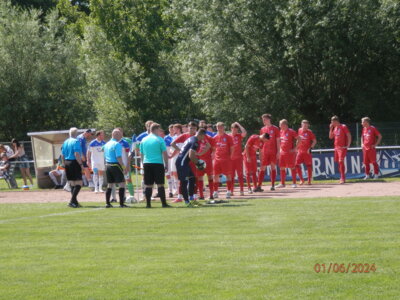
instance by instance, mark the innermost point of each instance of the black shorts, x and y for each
(184, 171)
(114, 173)
(154, 173)
(73, 170)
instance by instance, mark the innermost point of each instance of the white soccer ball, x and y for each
(131, 199)
(201, 164)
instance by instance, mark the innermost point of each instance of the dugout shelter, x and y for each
(46, 147)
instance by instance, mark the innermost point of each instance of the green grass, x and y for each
(253, 249)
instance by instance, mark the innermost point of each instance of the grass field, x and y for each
(255, 249)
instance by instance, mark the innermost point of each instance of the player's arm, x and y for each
(331, 128)
(89, 157)
(313, 143)
(244, 132)
(173, 145)
(247, 150)
(193, 156)
(378, 140)
(165, 157)
(278, 147)
(348, 134)
(207, 147)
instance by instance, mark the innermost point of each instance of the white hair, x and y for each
(73, 132)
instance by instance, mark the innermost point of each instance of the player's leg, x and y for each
(283, 177)
(101, 180)
(293, 169)
(299, 161)
(372, 158)
(217, 173)
(342, 157)
(366, 163)
(96, 179)
(239, 170)
(53, 177)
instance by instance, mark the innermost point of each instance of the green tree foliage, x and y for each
(41, 86)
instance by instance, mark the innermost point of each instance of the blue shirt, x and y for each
(83, 142)
(142, 136)
(152, 148)
(190, 143)
(69, 147)
(212, 134)
(168, 140)
(112, 150)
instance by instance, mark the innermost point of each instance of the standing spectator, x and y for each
(115, 168)
(23, 161)
(370, 138)
(83, 139)
(71, 158)
(155, 161)
(342, 140)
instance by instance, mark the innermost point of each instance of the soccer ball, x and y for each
(131, 199)
(201, 164)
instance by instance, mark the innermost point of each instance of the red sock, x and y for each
(309, 173)
(229, 185)
(273, 177)
(248, 180)
(367, 169)
(300, 173)
(283, 176)
(342, 169)
(254, 175)
(211, 186)
(216, 186)
(200, 185)
(261, 177)
(294, 179)
(241, 182)
(376, 168)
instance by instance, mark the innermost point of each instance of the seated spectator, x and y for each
(7, 150)
(23, 161)
(8, 153)
(58, 172)
(4, 166)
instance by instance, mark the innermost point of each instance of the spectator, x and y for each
(4, 166)
(22, 161)
(7, 150)
(59, 171)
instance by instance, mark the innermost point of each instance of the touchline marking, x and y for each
(50, 215)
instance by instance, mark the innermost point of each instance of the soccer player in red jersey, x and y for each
(270, 152)
(205, 153)
(307, 141)
(254, 143)
(342, 140)
(370, 138)
(237, 158)
(223, 149)
(287, 158)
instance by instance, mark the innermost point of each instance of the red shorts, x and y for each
(304, 158)
(268, 158)
(287, 160)
(237, 166)
(251, 167)
(223, 167)
(340, 154)
(208, 170)
(369, 156)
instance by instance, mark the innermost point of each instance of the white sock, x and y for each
(170, 185)
(113, 193)
(96, 181)
(101, 182)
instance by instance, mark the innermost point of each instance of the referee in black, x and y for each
(115, 168)
(71, 155)
(155, 162)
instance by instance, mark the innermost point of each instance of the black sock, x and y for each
(72, 190)
(108, 195)
(74, 199)
(192, 181)
(161, 194)
(121, 193)
(148, 191)
(184, 185)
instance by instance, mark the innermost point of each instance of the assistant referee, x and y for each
(155, 162)
(115, 168)
(71, 157)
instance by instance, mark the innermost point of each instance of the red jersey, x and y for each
(182, 138)
(306, 139)
(288, 138)
(237, 145)
(369, 136)
(202, 145)
(223, 144)
(253, 143)
(270, 145)
(340, 135)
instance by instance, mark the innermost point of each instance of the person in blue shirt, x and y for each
(168, 140)
(186, 175)
(71, 152)
(83, 139)
(115, 168)
(155, 162)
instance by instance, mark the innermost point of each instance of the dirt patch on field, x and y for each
(359, 189)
